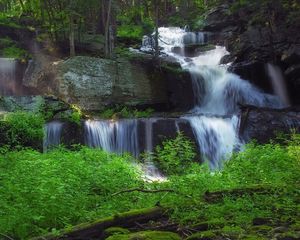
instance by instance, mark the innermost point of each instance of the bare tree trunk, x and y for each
(156, 28)
(107, 49)
(71, 36)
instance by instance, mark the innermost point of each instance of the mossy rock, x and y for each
(115, 231)
(296, 226)
(288, 236)
(232, 231)
(206, 235)
(209, 225)
(254, 237)
(262, 229)
(146, 235)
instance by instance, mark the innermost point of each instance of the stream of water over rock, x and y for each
(53, 131)
(217, 94)
(214, 116)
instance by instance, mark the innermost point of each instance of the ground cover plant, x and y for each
(45, 192)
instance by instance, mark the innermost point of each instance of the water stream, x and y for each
(53, 131)
(113, 136)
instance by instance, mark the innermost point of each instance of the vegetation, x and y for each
(9, 49)
(45, 192)
(22, 129)
(175, 155)
(125, 112)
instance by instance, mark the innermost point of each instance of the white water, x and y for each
(216, 92)
(52, 137)
(113, 136)
(278, 83)
(151, 172)
(7, 76)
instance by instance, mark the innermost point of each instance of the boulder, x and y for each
(93, 83)
(264, 124)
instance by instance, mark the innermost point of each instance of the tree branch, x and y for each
(142, 190)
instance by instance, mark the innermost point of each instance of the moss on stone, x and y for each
(262, 229)
(115, 231)
(254, 237)
(290, 235)
(206, 235)
(146, 235)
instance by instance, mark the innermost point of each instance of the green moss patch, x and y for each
(147, 235)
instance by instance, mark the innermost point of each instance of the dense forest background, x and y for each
(114, 23)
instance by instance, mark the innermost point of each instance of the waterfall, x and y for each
(127, 136)
(278, 83)
(52, 136)
(113, 136)
(152, 173)
(100, 134)
(216, 137)
(216, 92)
(7, 76)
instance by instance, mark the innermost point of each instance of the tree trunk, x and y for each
(156, 28)
(71, 36)
(107, 49)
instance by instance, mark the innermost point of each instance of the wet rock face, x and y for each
(264, 124)
(255, 72)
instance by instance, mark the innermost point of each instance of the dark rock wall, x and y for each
(265, 124)
(256, 34)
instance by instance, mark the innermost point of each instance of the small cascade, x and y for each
(173, 37)
(152, 173)
(52, 136)
(216, 137)
(100, 134)
(278, 83)
(127, 137)
(8, 83)
(113, 136)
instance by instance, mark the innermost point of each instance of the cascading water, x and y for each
(216, 93)
(7, 76)
(100, 134)
(151, 171)
(52, 137)
(278, 83)
(113, 136)
(127, 137)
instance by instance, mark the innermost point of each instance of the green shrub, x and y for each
(15, 52)
(175, 155)
(24, 129)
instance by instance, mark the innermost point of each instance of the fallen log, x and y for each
(214, 197)
(95, 230)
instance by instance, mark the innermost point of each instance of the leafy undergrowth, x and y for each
(256, 192)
